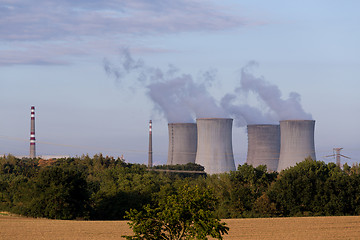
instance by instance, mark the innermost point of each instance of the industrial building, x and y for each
(276, 146)
(182, 143)
(208, 142)
(214, 145)
(297, 142)
(263, 145)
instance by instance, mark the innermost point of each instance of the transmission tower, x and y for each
(337, 155)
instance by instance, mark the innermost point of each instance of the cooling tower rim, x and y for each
(214, 119)
(178, 123)
(297, 120)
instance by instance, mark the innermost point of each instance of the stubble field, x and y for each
(14, 227)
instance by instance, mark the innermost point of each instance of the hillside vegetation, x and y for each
(104, 188)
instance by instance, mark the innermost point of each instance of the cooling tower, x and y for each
(214, 148)
(263, 145)
(182, 143)
(297, 142)
(32, 133)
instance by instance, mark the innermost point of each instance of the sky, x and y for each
(98, 71)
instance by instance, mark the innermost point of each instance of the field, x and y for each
(13, 227)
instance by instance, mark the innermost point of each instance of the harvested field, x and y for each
(13, 227)
(295, 228)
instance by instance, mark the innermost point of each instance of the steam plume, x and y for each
(177, 96)
(287, 109)
(244, 114)
(127, 65)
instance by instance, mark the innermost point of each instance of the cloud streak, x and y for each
(53, 20)
(70, 24)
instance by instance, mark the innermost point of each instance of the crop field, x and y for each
(14, 227)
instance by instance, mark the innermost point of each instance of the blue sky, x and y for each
(53, 53)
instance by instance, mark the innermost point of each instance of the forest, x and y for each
(105, 188)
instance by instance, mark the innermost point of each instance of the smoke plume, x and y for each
(288, 109)
(181, 98)
(245, 114)
(176, 96)
(127, 65)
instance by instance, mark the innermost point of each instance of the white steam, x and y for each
(288, 109)
(179, 98)
(244, 114)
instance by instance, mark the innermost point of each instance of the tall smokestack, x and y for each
(214, 148)
(150, 161)
(263, 145)
(182, 143)
(32, 134)
(297, 142)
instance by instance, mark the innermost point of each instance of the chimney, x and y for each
(32, 134)
(150, 160)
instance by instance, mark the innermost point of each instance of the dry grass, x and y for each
(295, 228)
(13, 227)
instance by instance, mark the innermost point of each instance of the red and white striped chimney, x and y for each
(32, 134)
(150, 161)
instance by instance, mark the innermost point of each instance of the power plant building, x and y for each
(263, 145)
(214, 148)
(182, 143)
(297, 142)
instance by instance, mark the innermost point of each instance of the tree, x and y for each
(315, 188)
(59, 193)
(247, 185)
(188, 214)
(296, 191)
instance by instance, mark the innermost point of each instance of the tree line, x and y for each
(105, 188)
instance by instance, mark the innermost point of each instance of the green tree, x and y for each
(315, 188)
(296, 191)
(59, 193)
(188, 214)
(248, 185)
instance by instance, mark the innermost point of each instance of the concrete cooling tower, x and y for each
(182, 143)
(297, 142)
(214, 148)
(263, 145)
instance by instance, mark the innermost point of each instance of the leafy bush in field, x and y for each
(186, 214)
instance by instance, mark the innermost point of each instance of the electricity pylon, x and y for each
(338, 155)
